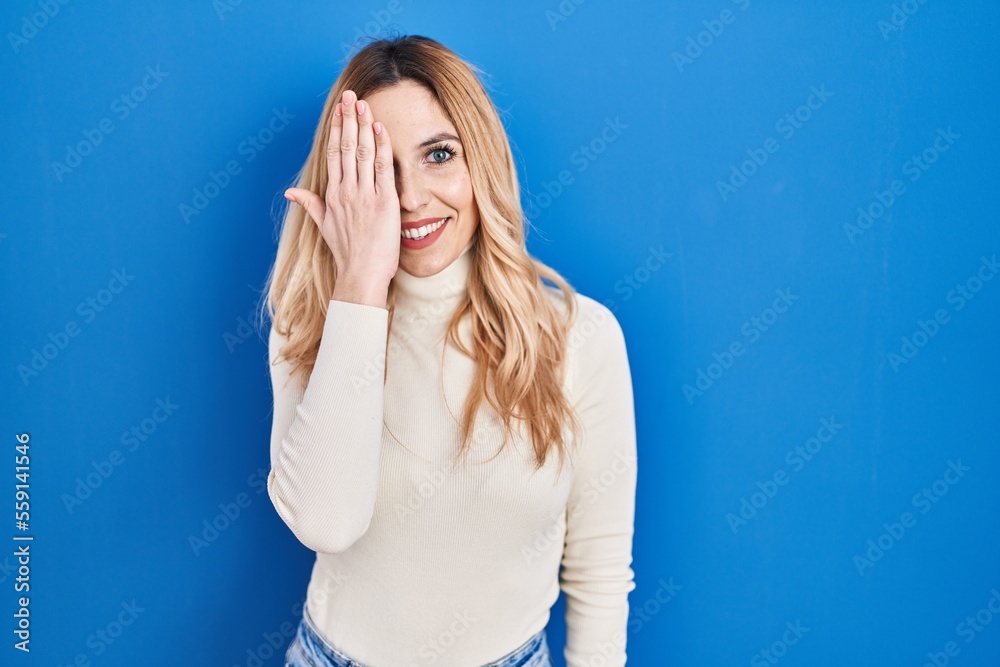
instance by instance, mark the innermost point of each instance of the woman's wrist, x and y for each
(361, 292)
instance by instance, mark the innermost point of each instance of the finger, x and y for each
(349, 140)
(333, 147)
(366, 146)
(310, 201)
(385, 180)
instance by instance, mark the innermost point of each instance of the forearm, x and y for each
(326, 439)
(600, 515)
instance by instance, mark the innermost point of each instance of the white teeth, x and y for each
(417, 234)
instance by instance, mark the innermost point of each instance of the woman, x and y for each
(429, 387)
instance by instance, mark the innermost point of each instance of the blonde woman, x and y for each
(449, 431)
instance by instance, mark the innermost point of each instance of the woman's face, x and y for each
(432, 176)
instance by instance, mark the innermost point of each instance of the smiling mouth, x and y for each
(422, 232)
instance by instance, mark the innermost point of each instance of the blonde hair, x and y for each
(520, 337)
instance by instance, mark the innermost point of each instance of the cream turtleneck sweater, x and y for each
(421, 564)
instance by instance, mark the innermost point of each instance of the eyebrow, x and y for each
(438, 138)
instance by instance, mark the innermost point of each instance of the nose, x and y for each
(411, 190)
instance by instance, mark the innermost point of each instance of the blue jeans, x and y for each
(309, 649)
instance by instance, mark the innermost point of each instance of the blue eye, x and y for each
(444, 152)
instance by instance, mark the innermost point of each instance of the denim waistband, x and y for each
(311, 639)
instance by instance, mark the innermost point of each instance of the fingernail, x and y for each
(289, 197)
(377, 127)
(337, 111)
(361, 107)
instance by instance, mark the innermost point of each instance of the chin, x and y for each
(422, 267)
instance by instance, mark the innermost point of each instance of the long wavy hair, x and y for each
(520, 336)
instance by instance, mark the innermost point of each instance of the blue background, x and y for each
(177, 333)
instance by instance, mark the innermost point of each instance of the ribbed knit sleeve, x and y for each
(326, 437)
(596, 574)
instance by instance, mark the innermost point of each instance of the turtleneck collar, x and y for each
(434, 297)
